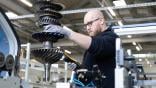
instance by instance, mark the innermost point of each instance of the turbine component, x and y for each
(46, 13)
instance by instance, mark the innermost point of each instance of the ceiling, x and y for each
(135, 12)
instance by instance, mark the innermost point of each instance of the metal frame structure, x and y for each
(85, 10)
(27, 61)
(135, 29)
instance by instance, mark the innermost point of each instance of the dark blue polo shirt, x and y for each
(102, 53)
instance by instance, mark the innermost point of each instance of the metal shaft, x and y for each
(47, 67)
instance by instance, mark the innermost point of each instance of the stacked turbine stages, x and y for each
(47, 14)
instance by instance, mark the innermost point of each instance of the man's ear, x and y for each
(102, 21)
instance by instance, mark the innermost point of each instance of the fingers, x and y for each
(52, 28)
(72, 66)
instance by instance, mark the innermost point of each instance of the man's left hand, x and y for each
(55, 28)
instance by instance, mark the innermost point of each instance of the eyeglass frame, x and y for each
(90, 23)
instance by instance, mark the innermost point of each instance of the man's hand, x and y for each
(72, 66)
(55, 28)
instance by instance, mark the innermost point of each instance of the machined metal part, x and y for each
(2, 59)
(43, 21)
(48, 55)
(47, 36)
(47, 12)
(47, 45)
(47, 67)
(9, 62)
(42, 5)
(50, 13)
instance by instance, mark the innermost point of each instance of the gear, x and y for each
(47, 36)
(50, 13)
(48, 55)
(43, 21)
(42, 5)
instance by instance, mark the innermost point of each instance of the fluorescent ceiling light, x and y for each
(129, 52)
(134, 43)
(148, 62)
(140, 59)
(111, 11)
(58, 47)
(137, 48)
(120, 23)
(119, 3)
(26, 2)
(129, 36)
(11, 14)
(140, 46)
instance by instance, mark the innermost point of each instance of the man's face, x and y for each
(92, 25)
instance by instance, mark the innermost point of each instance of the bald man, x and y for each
(99, 44)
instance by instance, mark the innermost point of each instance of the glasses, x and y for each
(90, 23)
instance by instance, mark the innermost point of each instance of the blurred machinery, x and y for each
(128, 74)
(9, 54)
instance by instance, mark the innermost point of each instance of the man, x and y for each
(99, 45)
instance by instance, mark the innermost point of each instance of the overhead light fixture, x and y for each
(26, 2)
(11, 14)
(58, 47)
(129, 52)
(140, 46)
(148, 62)
(119, 3)
(129, 36)
(137, 48)
(134, 43)
(140, 59)
(120, 23)
(111, 11)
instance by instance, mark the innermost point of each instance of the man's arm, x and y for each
(82, 40)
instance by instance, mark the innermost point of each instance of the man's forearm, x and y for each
(82, 40)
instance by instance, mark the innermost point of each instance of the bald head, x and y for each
(93, 14)
(94, 22)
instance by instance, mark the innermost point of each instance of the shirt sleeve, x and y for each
(102, 46)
